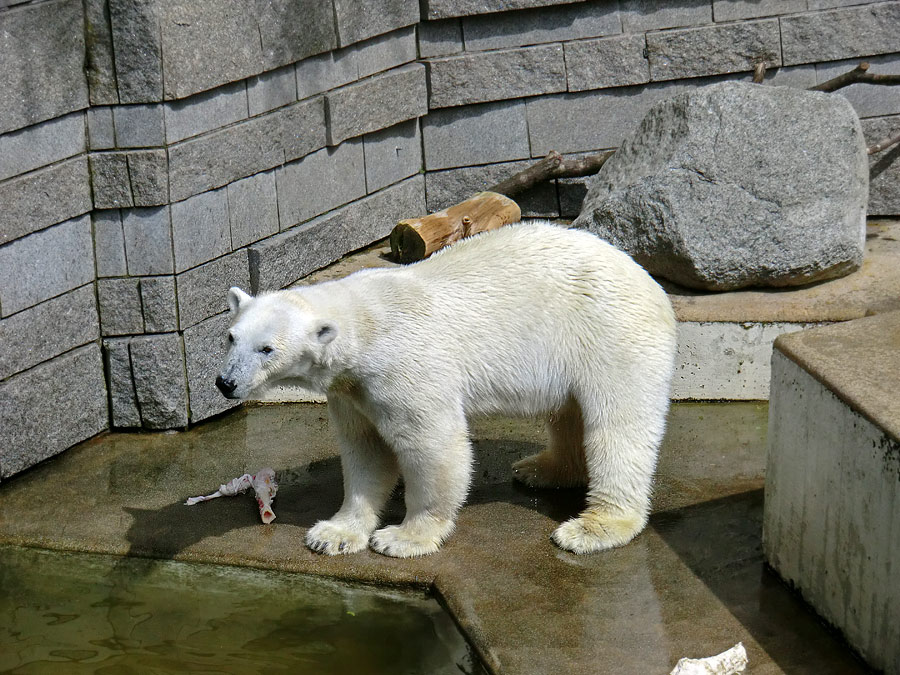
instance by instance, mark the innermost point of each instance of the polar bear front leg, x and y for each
(370, 472)
(436, 463)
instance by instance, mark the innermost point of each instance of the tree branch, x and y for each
(858, 75)
(759, 72)
(884, 144)
(553, 165)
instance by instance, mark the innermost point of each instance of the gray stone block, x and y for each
(200, 229)
(41, 63)
(392, 154)
(337, 174)
(477, 134)
(123, 400)
(440, 38)
(271, 90)
(252, 209)
(639, 16)
(376, 103)
(207, 44)
(300, 128)
(360, 19)
(279, 261)
(45, 264)
(445, 188)
(733, 10)
(109, 180)
(66, 403)
(148, 241)
(710, 50)
(44, 197)
(496, 75)
(202, 290)
(205, 346)
(157, 366)
(159, 304)
(830, 4)
(148, 173)
(370, 219)
(99, 64)
(884, 167)
(327, 71)
(867, 100)
(386, 51)
(47, 330)
(737, 185)
(607, 62)
(42, 144)
(101, 132)
(218, 158)
(291, 30)
(841, 33)
(442, 9)
(139, 126)
(109, 243)
(138, 51)
(594, 120)
(536, 26)
(205, 111)
(120, 307)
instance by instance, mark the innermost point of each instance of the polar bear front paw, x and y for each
(595, 531)
(411, 540)
(335, 538)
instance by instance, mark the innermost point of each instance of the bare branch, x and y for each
(884, 144)
(759, 72)
(553, 165)
(858, 75)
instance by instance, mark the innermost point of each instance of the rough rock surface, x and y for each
(736, 185)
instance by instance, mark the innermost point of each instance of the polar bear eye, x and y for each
(266, 350)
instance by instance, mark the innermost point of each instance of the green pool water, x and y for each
(65, 613)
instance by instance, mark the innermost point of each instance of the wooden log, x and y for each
(417, 238)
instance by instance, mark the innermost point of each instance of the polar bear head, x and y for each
(273, 337)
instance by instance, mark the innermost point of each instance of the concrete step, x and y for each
(832, 506)
(725, 339)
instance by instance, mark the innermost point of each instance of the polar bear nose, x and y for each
(227, 387)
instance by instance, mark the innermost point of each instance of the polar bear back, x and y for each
(512, 320)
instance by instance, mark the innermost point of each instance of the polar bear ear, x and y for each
(325, 332)
(237, 299)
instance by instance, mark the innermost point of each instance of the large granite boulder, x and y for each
(736, 185)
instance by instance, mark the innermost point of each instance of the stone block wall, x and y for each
(506, 87)
(154, 153)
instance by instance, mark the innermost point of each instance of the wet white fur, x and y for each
(529, 319)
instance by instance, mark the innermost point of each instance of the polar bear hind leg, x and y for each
(621, 444)
(561, 464)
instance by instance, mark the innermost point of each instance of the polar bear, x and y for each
(528, 319)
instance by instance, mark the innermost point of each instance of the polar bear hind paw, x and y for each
(333, 538)
(595, 531)
(411, 540)
(542, 471)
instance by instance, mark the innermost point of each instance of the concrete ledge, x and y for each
(831, 524)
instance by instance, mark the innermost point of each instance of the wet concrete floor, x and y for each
(693, 584)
